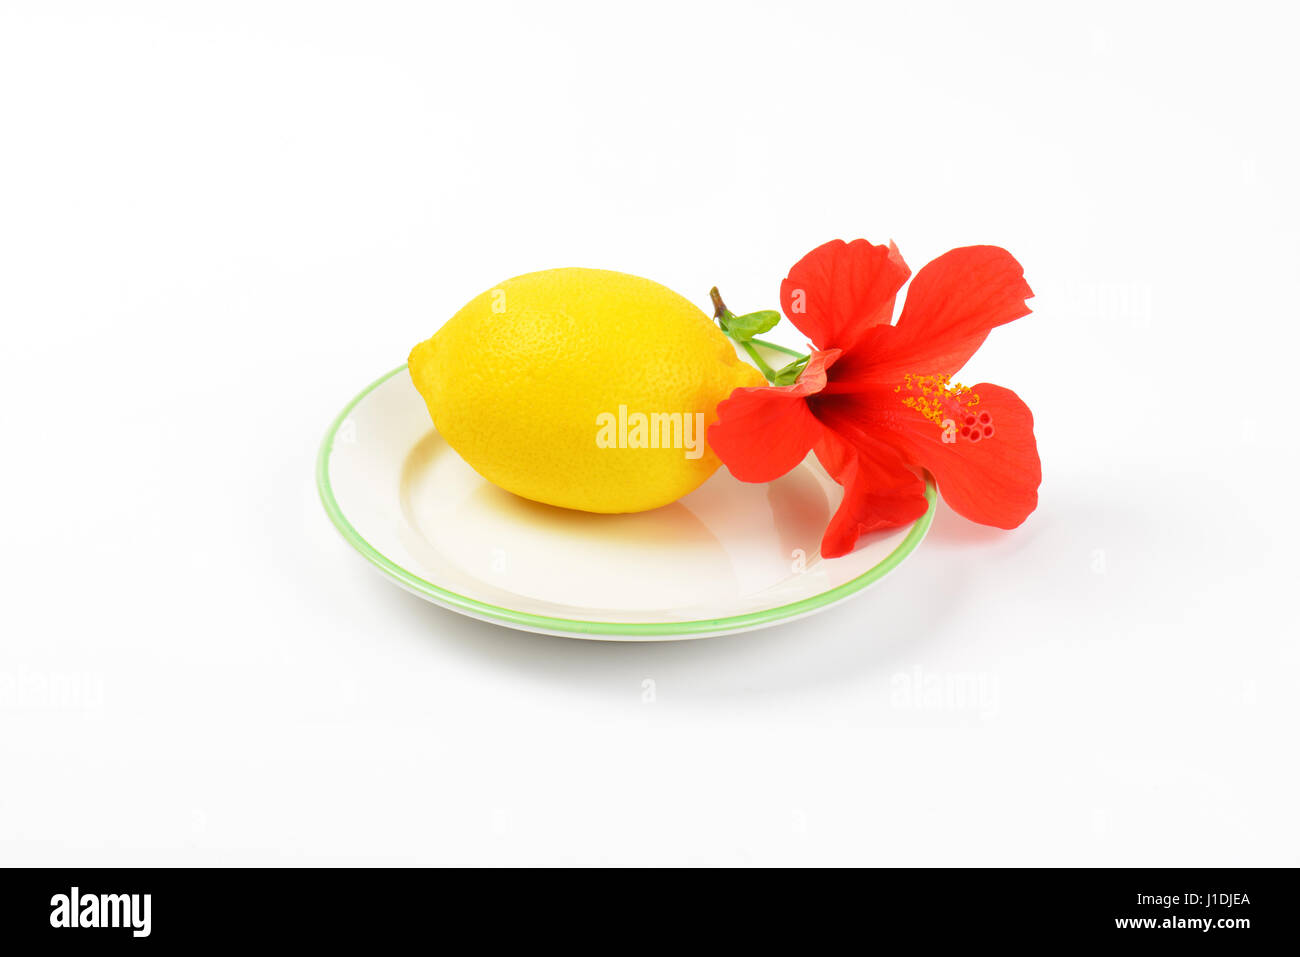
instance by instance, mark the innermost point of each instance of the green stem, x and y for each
(723, 314)
(768, 372)
(794, 353)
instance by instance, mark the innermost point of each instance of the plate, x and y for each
(729, 557)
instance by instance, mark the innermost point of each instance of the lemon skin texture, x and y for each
(517, 382)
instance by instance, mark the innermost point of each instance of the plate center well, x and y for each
(724, 541)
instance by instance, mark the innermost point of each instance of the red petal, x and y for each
(993, 481)
(763, 433)
(880, 491)
(839, 290)
(951, 305)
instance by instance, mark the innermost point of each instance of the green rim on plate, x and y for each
(510, 616)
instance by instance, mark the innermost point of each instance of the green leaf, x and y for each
(787, 375)
(742, 328)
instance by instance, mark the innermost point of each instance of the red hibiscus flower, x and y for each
(876, 401)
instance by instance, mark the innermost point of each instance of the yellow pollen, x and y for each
(938, 396)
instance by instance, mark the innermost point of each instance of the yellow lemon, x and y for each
(582, 388)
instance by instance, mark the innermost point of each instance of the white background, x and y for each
(219, 221)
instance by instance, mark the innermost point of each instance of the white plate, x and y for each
(729, 557)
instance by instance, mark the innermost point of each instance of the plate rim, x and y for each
(510, 617)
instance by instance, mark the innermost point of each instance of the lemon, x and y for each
(582, 388)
